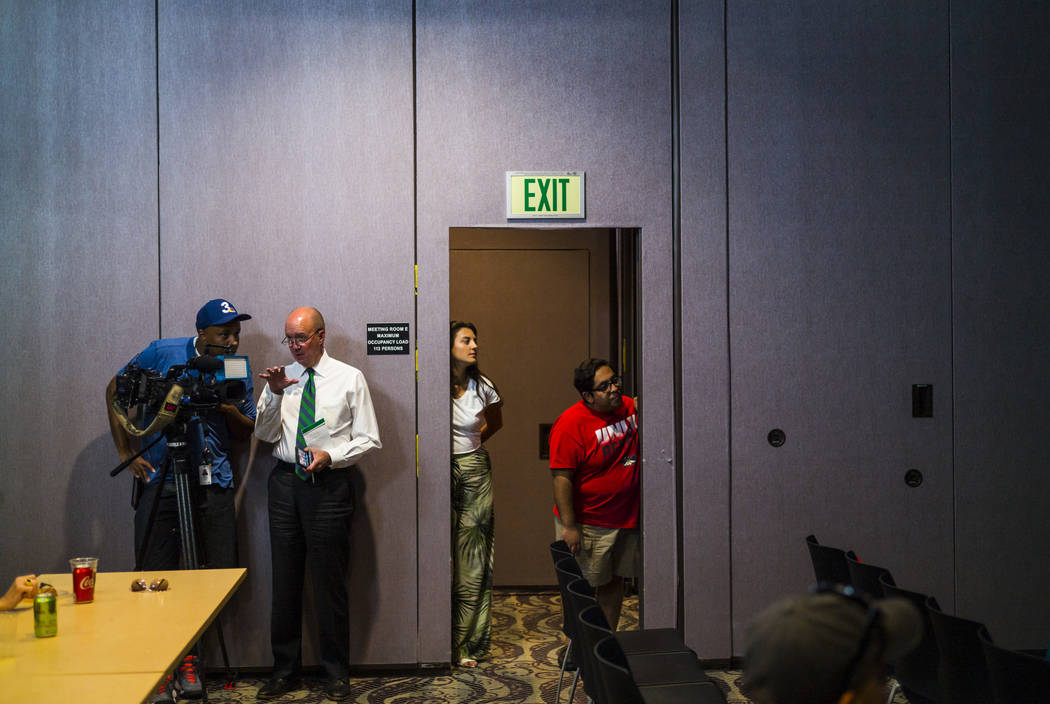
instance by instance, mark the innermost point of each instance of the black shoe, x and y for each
(276, 686)
(338, 689)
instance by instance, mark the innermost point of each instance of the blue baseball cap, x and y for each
(218, 311)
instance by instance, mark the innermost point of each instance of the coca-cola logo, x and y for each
(88, 582)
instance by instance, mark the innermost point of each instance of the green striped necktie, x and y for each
(307, 404)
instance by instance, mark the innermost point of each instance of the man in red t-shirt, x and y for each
(594, 463)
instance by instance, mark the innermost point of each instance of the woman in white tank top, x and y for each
(476, 415)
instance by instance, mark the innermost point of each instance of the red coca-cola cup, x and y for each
(84, 578)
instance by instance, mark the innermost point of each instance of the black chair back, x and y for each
(962, 673)
(916, 671)
(578, 596)
(560, 549)
(567, 570)
(865, 576)
(829, 564)
(1017, 678)
(587, 636)
(617, 683)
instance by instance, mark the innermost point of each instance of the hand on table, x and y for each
(25, 586)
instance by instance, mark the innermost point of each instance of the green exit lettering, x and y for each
(547, 193)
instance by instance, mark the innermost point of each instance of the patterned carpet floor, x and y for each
(522, 669)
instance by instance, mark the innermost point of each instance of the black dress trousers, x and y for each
(215, 525)
(310, 526)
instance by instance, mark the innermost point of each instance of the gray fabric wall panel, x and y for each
(1000, 181)
(287, 129)
(286, 180)
(545, 86)
(705, 359)
(839, 257)
(79, 274)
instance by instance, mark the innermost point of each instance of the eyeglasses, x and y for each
(299, 340)
(608, 384)
(872, 622)
(157, 585)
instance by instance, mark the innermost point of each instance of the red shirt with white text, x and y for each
(602, 452)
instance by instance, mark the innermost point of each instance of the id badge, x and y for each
(204, 475)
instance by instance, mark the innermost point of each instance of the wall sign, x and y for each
(388, 338)
(545, 195)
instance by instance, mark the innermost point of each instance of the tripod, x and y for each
(178, 465)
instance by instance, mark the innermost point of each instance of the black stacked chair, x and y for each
(652, 641)
(829, 564)
(559, 550)
(962, 672)
(568, 571)
(1017, 678)
(618, 685)
(578, 597)
(916, 672)
(647, 668)
(659, 653)
(865, 576)
(640, 642)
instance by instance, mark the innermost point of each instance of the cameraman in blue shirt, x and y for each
(218, 333)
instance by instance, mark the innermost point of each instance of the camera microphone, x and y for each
(205, 363)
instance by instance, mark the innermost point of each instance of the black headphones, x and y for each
(872, 622)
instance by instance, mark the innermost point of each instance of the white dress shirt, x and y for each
(342, 400)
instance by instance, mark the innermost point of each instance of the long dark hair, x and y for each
(472, 372)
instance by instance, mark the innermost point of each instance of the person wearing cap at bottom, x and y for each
(218, 326)
(830, 646)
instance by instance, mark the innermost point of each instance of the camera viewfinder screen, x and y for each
(235, 367)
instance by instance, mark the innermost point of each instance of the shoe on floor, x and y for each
(276, 686)
(163, 695)
(337, 689)
(189, 683)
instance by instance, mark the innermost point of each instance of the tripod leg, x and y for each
(187, 534)
(141, 554)
(188, 541)
(230, 677)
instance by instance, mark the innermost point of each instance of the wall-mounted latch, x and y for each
(922, 400)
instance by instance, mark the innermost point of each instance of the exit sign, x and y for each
(545, 194)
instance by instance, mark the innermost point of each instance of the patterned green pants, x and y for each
(472, 547)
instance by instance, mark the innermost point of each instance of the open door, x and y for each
(543, 300)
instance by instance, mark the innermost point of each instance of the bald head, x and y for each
(306, 324)
(309, 316)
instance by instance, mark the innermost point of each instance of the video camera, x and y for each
(185, 390)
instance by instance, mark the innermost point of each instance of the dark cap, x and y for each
(801, 649)
(218, 311)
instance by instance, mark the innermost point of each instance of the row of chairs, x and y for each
(651, 666)
(957, 660)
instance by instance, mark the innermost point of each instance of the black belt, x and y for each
(289, 467)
